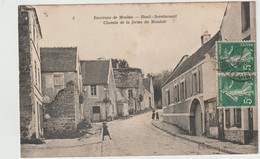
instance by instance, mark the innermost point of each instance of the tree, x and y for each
(120, 63)
(158, 80)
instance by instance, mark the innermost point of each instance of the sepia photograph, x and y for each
(146, 79)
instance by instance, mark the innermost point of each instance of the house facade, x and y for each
(185, 93)
(190, 93)
(59, 66)
(31, 111)
(129, 83)
(99, 90)
(61, 88)
(239, 24)
(148, 93)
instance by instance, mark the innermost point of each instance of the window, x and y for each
(182, 90)
(234, 117)
(238, 117)
(39, 78)
(194, 83)
(175, 94)
(168, 97)
(96, 110)
(93, 90)
(227, 113)
(178, 93)
(35, 73)
(199, 74)
(185, 90)
(245, 15)
(58, 81)
(130, 93)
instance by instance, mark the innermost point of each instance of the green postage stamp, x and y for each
(236, 74)
(234, 92)
(236, 57)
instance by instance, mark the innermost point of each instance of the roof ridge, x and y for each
(195, 54)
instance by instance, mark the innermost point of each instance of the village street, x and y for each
(135, 136)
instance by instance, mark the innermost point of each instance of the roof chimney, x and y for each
(205, 37)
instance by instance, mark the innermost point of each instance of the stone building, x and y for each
(31, 112)
(148, 93)
(239, 24)
(190, 93)
(129, 84)
(61, 89)
(59, 66)
(185, 94)
(99, 90)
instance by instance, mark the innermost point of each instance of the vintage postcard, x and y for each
(99, 80)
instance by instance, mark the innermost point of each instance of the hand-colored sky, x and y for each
(151, 47)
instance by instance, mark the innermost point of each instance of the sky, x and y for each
(151, 47)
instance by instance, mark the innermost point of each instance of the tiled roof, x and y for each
(60, 59)
(147, 84)
(95, 71)
(195, 58)
(127, 77)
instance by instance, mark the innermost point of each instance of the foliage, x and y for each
(81, 98)
(120, 63)
(158, 80)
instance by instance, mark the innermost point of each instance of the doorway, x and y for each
(196, 118)
(96, 113)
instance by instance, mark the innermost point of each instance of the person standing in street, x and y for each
(105, 131)
(157, 116)
(153, 115)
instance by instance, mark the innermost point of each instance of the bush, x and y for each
(85, 124)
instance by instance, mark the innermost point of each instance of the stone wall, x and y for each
(62, 115)
(180, 121)
(182, 107)
(178, 115)
(25, 79)
(237, 136)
